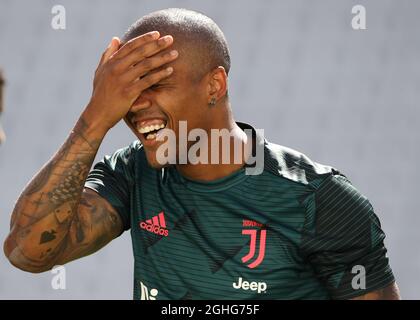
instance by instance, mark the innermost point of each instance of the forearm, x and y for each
(50, 223)
(47, 207)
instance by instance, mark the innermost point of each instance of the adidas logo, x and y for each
(145, 294)
(156, 225)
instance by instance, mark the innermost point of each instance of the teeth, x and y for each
(151, 136)
(151, 128)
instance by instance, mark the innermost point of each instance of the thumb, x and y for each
(110, 50)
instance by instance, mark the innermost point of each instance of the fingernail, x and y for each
(154, 34)
(112, 40)
(166, 39)
(169, 70)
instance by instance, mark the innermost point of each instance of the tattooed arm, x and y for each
(55, 219)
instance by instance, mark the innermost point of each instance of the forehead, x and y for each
(183, 69)
(184, 65)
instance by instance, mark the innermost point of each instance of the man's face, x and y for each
(176, 98)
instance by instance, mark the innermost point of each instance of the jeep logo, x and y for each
(253, 286)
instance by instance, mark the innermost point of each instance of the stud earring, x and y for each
(212, 102)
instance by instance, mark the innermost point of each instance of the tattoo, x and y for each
(73, 180)
(85, 202)
(80, 235)
(48, 208)
(24, 233)
(41, 179)
(47, 236)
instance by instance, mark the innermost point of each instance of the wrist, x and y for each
(89, 132)
(92, 124)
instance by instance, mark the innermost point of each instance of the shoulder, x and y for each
(295, 166)
(126, 155)
(134, 149)
(122, 162)
(326, 187)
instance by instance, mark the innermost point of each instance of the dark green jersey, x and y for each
(299, 230)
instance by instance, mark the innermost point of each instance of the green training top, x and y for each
(299, 230)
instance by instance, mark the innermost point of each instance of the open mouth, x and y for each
(150, 128)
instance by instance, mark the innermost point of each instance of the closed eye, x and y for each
(160, 86)
(155, 86)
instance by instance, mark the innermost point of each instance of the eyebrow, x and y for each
(166, 81)
(169, 79)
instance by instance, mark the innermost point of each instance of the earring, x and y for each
(212, 102)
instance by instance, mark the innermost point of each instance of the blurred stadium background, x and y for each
(346, 98)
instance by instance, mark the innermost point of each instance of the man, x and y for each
(2, 134)
(297, 230)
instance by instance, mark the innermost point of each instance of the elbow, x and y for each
(18, 259)
(9, 247)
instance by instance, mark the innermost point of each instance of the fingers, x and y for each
(148, 64)
(136, 42)
(133, 67)
(149, 80)
(110, 50)
(145, 51)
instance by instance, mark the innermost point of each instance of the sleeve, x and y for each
(343, 240)
(111, 179)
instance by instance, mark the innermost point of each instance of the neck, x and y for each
(212, 171)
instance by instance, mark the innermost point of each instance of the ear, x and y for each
(217, 84)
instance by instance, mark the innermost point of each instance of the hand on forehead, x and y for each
(187, 55)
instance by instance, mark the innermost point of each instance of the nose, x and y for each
(141, 103)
